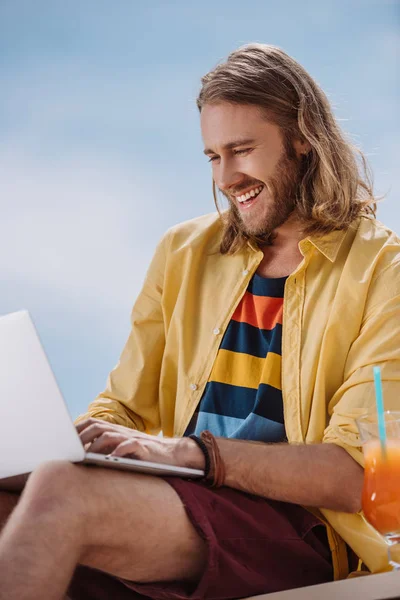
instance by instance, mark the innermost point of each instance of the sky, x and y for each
(101, 152)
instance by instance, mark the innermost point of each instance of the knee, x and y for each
(54, 488)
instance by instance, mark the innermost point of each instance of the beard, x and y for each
(282, 189)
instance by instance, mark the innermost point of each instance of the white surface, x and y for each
(368, 587)
(34, 422)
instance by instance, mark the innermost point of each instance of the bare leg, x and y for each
(8, 501)
(129, 525)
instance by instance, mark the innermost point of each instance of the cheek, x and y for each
(260, 169)
(267, 161)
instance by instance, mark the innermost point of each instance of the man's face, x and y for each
(250, 165)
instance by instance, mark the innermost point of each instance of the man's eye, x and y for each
(235, 152)
(243, 151)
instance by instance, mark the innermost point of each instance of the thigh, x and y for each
(136, 527)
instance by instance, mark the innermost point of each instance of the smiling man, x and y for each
(251, 349)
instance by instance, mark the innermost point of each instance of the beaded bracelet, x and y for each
(204, 450)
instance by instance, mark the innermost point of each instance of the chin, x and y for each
(261, 227)
(264, 231)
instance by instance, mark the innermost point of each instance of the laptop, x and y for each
(35, 425)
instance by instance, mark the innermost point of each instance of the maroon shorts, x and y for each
(255, 546)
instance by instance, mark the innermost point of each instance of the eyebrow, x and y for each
(230, 145)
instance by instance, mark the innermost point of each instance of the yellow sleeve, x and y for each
(378, 343)
(131, 394)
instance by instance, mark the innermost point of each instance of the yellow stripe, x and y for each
(244, 370)
(272, 370)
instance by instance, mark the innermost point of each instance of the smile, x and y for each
(250, 195)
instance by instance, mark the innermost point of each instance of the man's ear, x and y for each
(301, 146)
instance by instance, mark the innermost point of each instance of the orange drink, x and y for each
(381, 491)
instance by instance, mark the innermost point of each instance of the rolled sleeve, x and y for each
(378, 343)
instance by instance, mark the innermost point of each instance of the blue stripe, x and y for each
(262, 286)
(245, 338)
(269, 403)
(235, 401)
(258, 429)
(219, 425)
(254, 427)
(229, 400)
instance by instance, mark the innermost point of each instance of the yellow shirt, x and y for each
(341, 317)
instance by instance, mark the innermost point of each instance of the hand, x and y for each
(107, 438)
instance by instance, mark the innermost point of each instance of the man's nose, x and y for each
(227, 177)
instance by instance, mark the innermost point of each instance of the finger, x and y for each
(94, 431)
(106, 443)
(83, 424)
(132, 448)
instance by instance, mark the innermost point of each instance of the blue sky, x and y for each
(100, 147)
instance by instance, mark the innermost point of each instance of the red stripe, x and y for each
(260, 311)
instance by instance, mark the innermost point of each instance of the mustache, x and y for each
(244, 186)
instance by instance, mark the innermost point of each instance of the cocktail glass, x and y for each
(381, 491)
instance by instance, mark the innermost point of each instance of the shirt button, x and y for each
(193, 387)
(245, 271)
(216, 331)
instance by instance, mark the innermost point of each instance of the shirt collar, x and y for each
(328, 244)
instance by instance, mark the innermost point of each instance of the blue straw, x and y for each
(380, 409)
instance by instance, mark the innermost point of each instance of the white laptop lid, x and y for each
(35, 425)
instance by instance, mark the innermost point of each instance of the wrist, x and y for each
(193, 457)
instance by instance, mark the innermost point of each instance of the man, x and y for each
(263, 324)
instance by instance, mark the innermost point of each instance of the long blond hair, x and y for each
(336, 182)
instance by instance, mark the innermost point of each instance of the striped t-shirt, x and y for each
(243, 396)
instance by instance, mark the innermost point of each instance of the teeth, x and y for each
(254, 192)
